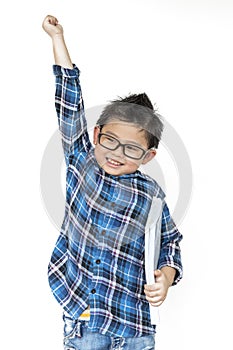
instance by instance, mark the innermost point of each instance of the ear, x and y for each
(96, 134)
(149, 156)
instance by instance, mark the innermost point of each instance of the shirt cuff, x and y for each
(66, 72)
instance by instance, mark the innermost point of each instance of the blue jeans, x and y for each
(77, 336)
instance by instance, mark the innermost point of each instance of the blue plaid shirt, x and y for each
(98, 259)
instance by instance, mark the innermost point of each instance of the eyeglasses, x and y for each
(129, 150)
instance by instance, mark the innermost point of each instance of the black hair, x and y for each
(136, 109)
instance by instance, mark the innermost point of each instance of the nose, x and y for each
(119, 151)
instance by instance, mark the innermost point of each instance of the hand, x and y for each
(51, 26)
(156, 293)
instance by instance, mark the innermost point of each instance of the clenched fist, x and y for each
(51, 26)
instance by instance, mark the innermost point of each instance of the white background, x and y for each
(180, 53)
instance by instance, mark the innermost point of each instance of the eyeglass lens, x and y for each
(112, 143)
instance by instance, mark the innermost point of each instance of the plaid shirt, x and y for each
(98, 259)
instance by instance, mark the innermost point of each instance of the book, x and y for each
(152, 248)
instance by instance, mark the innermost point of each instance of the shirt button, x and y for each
(98, 261)
(93, 291)
(113, 205)
(103, 232)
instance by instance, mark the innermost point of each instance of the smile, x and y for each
(113, 162)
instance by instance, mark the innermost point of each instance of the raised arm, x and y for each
(68, 97)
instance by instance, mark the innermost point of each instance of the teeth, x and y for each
(113, 162)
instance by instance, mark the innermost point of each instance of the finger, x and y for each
(152, 296)
(51, 20)
(153, 293)
(154, 301)
(158, 273)
(156, 304)
(150, 287)
(55, 21)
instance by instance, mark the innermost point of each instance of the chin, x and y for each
(118, 172)
(113, 172)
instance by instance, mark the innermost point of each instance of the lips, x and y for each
(114, 162)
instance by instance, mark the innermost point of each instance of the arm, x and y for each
(68, 98)
(169, 267)
(60, 51)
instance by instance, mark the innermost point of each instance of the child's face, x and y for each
(118, 161)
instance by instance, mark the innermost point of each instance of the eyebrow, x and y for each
(128, 141)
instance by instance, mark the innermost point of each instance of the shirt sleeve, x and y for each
(170, 254)
(70, 110)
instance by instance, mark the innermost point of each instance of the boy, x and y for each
(97, 269)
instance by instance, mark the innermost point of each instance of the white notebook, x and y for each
(152, 248)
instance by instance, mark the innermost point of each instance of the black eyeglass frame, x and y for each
(123, 145)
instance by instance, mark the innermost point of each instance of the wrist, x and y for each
(169, 273)
(57, 37)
